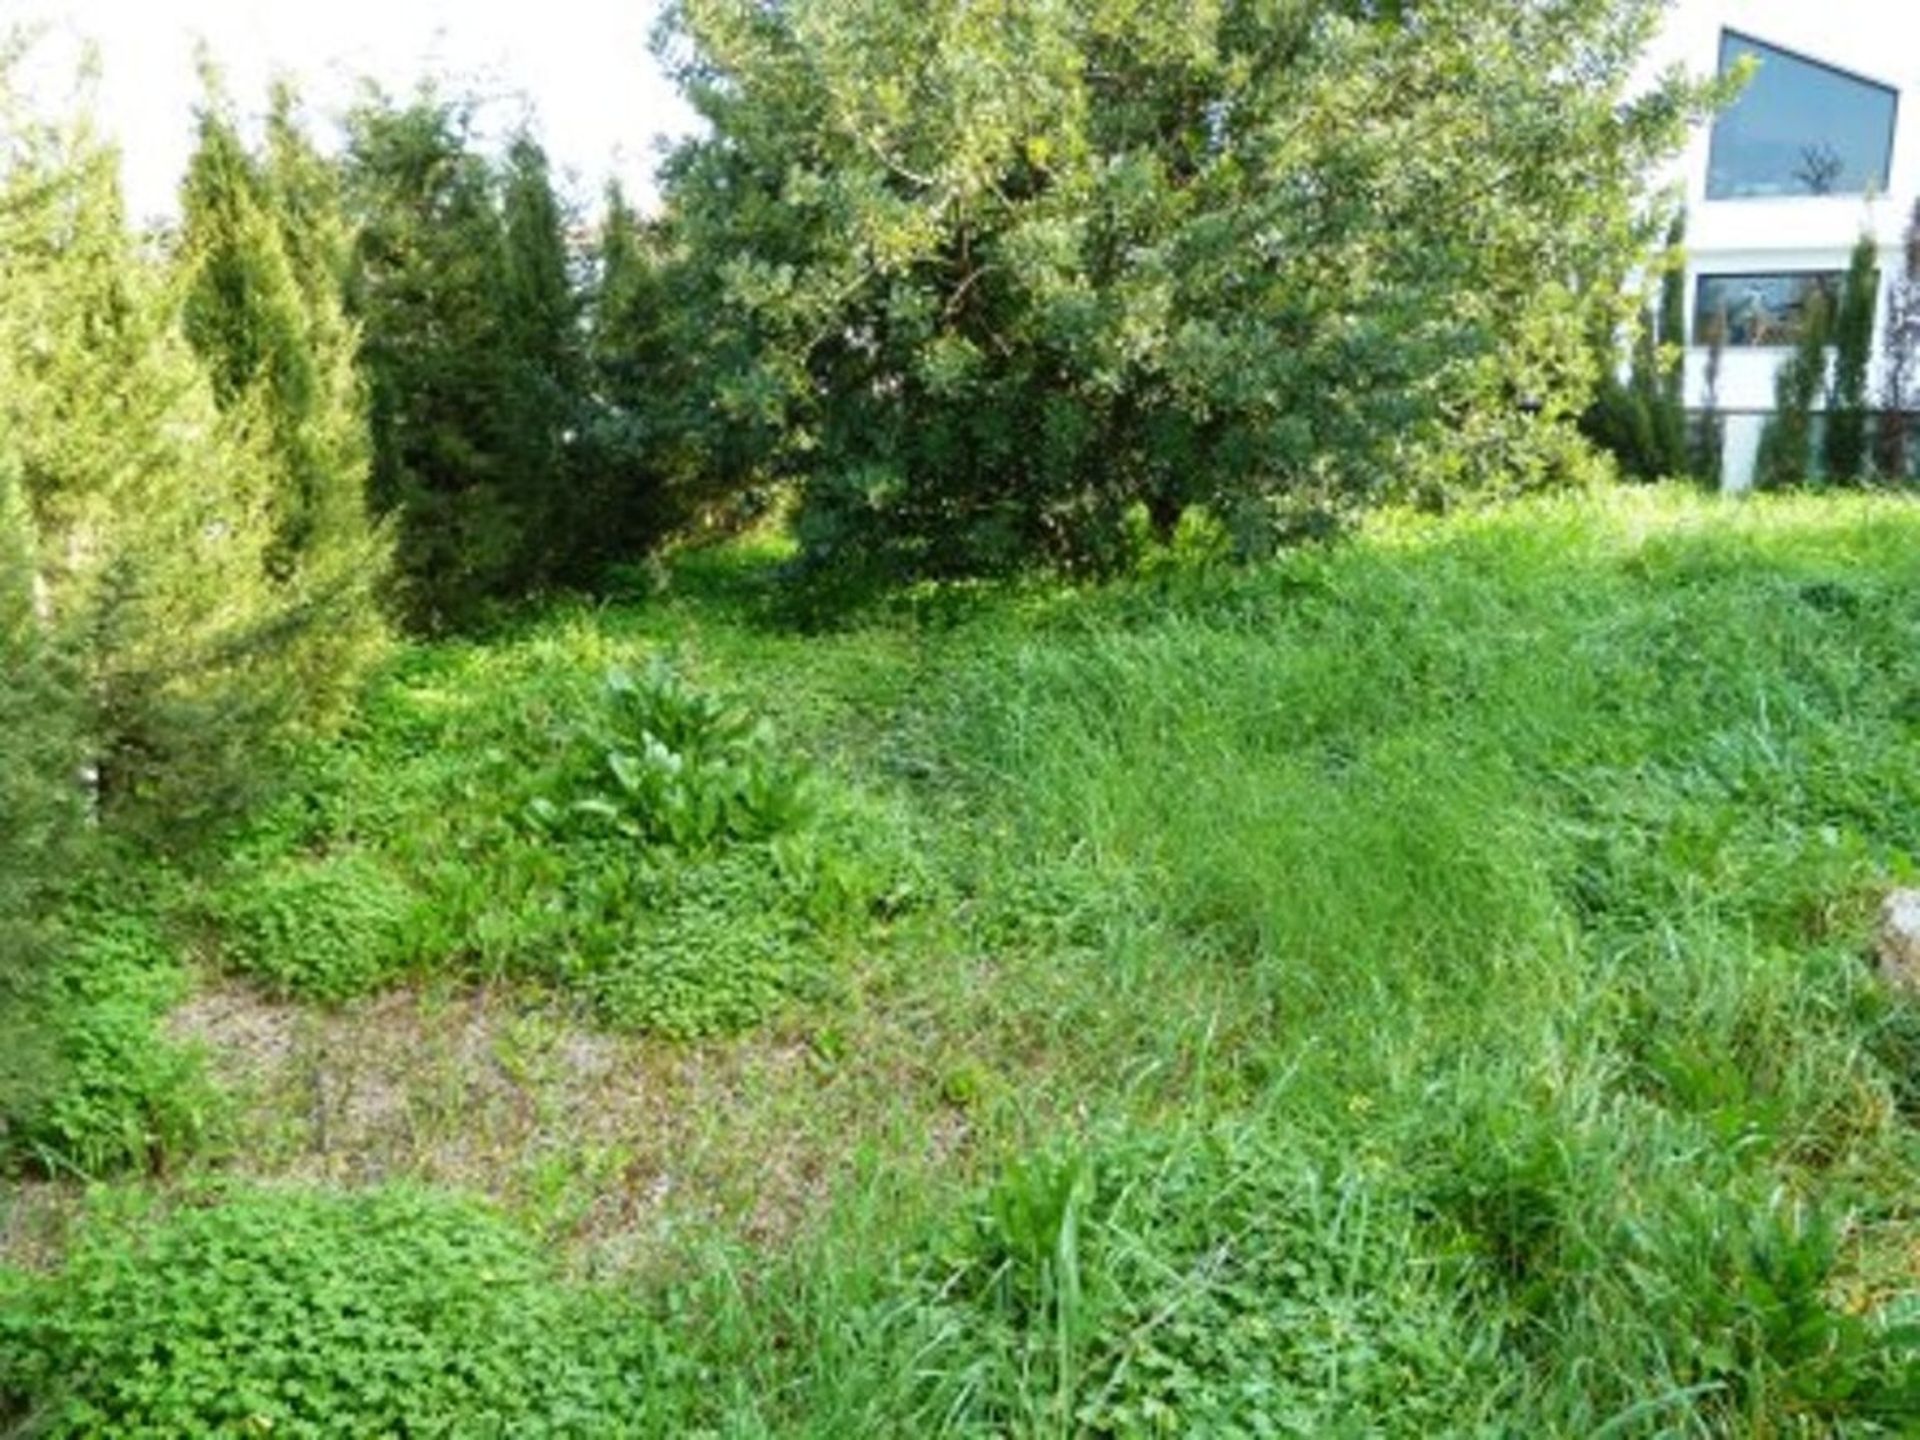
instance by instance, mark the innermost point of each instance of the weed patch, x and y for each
(1415, 987)
(552, 814)
(112, 1093)
(386, 1312)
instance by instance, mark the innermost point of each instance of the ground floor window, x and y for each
(1752, 310)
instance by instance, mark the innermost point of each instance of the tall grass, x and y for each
(1415, 988)
(1532, 857)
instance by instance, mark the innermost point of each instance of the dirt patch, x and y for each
(34, 1219)
(608, 1144)
(249, 1035)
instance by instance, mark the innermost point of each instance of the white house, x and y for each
(1823, 145)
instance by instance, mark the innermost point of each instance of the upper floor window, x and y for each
(1799, 128)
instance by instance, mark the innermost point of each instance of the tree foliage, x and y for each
(1845, 438)
(1641, 419)
(1787, 451)
(541, 320)
(1708, 453)
(430, 271)
(515, 380)
(260, 245)
(991, 275)
(40, 828)
(1900, 383)
(152, 508)
(1670, 384)
(650, 460)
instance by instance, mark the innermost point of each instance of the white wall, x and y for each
(1878, 39)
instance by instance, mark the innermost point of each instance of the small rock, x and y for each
(1898, 943)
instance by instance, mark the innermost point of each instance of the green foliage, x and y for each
(429, 270)
(547, 811)
(1642, 420)
(327, 927)
(40, 812)
(154, 519)
(646, 463)
(1787, 453)
(472, 343)
(154, 641)
(683, 770)
(1222, 1285)
(1410, 988)
(1755, 1301)
(540, 310)
(1513, 902)
(1900, 352)
(1413, 987)
(1708, 450)
(1619, 421)
(988, 280)
(259, 241)
(1844, 438)
(298, 1313)
(1671, 390)
(114, 1094)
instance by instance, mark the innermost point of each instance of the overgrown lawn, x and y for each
(1417, 987)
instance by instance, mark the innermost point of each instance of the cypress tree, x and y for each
(1708, 457)
(264, 311)
(634, 436)
(542, 323)
(151, 520)
(619, 314)
(1642, 421)
(309, 208)
(1844, 442)
(350, 560)
(1622, 418)
(428, 288)
(1902, 351)
(40, 827)
(1786, 445)
(1668, 402)
(1646, 433)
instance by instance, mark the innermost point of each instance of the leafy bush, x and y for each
(682, 769)
(1745, 1287)
(293, 1313)
(717, 947)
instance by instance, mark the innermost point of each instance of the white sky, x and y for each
(600, 101)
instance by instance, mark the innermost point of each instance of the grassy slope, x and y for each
(1414, 987)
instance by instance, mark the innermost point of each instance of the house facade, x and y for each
(1821, 147)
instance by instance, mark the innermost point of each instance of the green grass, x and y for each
(1414, 988)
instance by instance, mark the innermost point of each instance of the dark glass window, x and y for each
(1758, 309)
(1799, 128)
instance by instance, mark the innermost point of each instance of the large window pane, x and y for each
(1758, 309)
(1799, 128)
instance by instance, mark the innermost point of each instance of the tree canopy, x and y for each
(989, 275)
